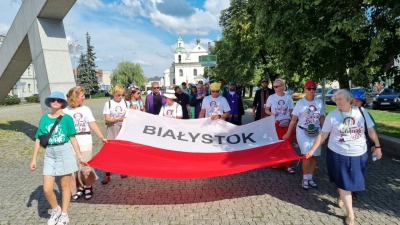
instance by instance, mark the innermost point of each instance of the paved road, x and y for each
(263, 196)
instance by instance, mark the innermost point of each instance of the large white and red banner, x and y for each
(162, 147)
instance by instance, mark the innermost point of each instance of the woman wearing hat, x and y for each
(59, 160)
(171, 108)
(84, 122)
(347, 151)
(308, 116)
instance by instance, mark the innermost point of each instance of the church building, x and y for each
(186, 66)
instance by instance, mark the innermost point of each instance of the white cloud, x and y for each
(4, 28)
(92, 4)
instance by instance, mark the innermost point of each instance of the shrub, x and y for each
(10, 101)
(32, 99)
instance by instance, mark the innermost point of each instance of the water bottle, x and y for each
(375, 157)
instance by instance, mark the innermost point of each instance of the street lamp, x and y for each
(74, 46)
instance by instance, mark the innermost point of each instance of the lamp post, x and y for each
(74, 46)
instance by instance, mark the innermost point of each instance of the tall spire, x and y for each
(198, 39)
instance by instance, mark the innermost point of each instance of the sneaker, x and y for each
(304, 184)
(312, 183)
(106, 180)
(63, 220)
(54, 216)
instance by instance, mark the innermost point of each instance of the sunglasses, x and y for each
(119, 95)
(52, 100)
(311, 89)
(156, 87)
(276, 86)
(215, 91)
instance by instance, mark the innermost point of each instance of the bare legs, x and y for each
(348, 204)
(309, 165)
(48, 188)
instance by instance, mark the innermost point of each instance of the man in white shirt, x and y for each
(215, 106)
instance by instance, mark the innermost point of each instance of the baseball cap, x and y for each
(310, 84)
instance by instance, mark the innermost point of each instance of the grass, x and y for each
(388, 122)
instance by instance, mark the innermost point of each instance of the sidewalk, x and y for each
(262, 196)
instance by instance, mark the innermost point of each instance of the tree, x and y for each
(128, 73)
(302, 39)
(87, 74)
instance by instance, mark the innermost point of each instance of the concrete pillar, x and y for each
(50, 56)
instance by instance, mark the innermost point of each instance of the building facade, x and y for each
(186, 66)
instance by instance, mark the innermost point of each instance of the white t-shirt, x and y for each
(347, 135)
(280, 106)
(116, 110)
(171, 111)
(309, 112)
(215, 106)
(82, 116)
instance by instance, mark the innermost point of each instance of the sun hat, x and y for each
(170, 94)
(358, 95)
(215, 86)
(310, 84)
(56, 94)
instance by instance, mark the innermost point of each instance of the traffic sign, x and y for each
(208, 60)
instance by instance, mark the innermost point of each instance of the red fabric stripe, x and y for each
(129, 158)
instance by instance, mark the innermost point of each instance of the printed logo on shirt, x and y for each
(79, 122)
(281, 108)
(351, 127)
(214, 109)
(312, 115)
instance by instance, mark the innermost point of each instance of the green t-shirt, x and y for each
(61, 132)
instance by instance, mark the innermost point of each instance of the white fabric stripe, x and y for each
(194, 135)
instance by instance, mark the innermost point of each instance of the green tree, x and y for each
(302, 39)
(87, 74)
(128, 73)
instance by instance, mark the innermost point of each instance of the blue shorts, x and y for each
(59, 160)
(347, 172)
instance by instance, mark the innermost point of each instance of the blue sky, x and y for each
(140, 31)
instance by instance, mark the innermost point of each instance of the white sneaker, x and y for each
(55, 214)
(63, 220)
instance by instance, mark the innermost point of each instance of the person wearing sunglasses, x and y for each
(135, 99)
(215, 106)
(114, 114)
(155, 100)
(281, 106)
(59, 159)
(308, 117)
(84, 121)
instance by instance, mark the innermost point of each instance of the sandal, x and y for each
(88, 193)
(312, 184)
(305, 184)
(290, 170)
(76, 196)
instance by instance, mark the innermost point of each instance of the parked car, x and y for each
(297, 96)
(387, 98)
(328, 96)
(318, 92)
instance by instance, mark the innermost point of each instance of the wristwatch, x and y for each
(219, 116)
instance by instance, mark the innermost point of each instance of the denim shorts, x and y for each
(59, 160)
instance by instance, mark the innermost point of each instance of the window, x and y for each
(181, 73)
(195, 72)
(179, 58)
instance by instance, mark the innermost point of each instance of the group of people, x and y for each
(349, 130)
(70, 124)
